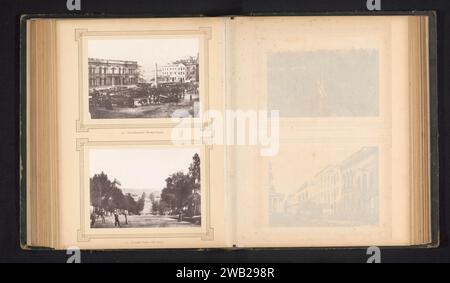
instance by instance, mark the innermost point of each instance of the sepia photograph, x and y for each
(324, 83)
(144, 78)
(145, 188)
(336, 187)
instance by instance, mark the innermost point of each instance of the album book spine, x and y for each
(23, 133)
(434, 129)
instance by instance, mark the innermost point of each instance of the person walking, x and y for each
(102, 215)
(116, 219)
(93, 218)
(180, 216)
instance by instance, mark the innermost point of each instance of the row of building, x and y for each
(347, 191)
(181, 71)
(108, 73)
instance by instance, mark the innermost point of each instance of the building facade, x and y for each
(181, 71)
(192, 69)
(347, 191)
(360, 183)
(108, 73)
(174, 73)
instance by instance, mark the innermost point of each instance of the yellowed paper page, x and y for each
(126, 145)
(340, 176)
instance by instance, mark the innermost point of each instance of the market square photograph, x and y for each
(144, 78)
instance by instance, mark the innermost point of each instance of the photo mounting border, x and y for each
(385, 207)
(384, 31)
(204, 34)
(207, 233)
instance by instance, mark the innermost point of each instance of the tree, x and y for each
(194, 171)
(130, 204)
(107, 196)
(117, 200)
(152, 198)
(155, 207)
(180, 189)
(140, 204)
(194, 202)
(100, 187)
(163, 207)
(167, 194)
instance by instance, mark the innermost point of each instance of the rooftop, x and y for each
(108, 61)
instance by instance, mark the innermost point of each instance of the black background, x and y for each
(9, 131)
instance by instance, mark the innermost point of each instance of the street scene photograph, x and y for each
(337, 187)
(145, 188)
(143, 78)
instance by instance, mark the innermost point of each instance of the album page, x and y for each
(326, 162)
(134, 170)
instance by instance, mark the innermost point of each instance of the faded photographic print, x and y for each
(145, 188)
(143, 78)
(324, 83)
(331, 188)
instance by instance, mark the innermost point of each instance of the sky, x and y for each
(140, 169)
(147, 52)
(295, 164)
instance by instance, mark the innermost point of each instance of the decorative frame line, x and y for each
(205, 34)
(83, 236)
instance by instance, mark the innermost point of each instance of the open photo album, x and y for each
(229, 132)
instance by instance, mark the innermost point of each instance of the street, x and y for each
(288, 220)
(143, 221)
(148, 111)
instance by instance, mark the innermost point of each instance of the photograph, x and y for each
(318, 84)
(337, 187)
(145, 188)
(144, 78)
